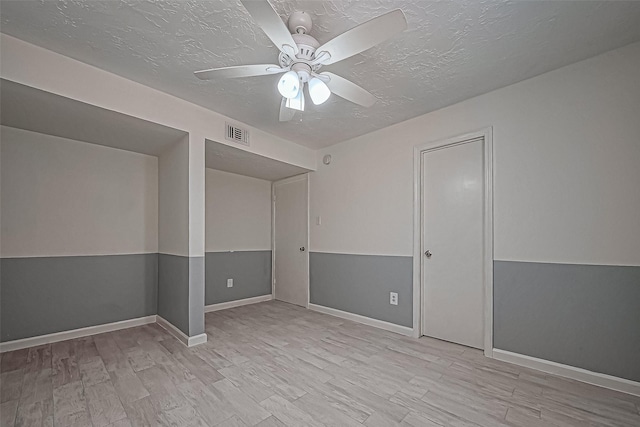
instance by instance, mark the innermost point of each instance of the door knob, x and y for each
(302, 249)
(428, 254)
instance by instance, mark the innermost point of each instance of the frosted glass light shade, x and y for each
(318, 91)
(296, 103)
(289, 85)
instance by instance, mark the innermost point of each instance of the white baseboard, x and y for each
(197, 340)
(237, 303)
(403, 330)
(75, 333)
(579, 374)
(181, 336)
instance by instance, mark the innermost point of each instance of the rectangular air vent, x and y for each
(236, 134)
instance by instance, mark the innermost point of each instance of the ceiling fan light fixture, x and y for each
(301, 56)
(289, 85)
(296, 103)
(318, 91)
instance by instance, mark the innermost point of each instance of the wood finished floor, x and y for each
(274, 364)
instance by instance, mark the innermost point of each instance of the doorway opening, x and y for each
(240, 258)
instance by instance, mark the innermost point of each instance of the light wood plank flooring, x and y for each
(274, 364)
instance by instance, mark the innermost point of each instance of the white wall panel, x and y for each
(238, 212)
(173, 199)
(62, 197)
(566, 160)
(197, 186)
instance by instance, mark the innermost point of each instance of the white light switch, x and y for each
(229, 283)
(318, 220)
(393, 298)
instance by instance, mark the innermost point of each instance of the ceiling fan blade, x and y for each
(349, 90)
(239, 71)
(286, 114)
(363, 37)
(268, 19)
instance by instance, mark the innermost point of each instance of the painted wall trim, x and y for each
(399, 329)
(75, 333)
(184, 254)
(237, 303)
(84, 254)
(361, 253)
(247, 249)
(542, 261)
(197, 340)
(579, 374)
(487, 135)
(181, 336)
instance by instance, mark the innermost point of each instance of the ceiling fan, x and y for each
(301, 56)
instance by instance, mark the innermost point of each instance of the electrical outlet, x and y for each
(229, 283)
(393, 298)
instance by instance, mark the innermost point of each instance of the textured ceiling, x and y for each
(453, 50)
(27, 108)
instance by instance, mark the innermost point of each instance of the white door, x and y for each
(291, 256)
(452, 182)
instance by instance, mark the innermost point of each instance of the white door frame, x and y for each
(487, 134)
(304, 176)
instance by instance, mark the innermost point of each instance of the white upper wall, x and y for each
(61, 197)
(39, 68)
(43, 69)
(173, 199)
(566, 166)
(238, 212)
(196, 194)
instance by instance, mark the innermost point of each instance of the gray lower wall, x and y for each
(250, 271)
(586, 316)
(173, 290)
(361, 284)
(196, 296)
(44, 295)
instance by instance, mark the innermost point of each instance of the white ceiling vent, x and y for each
(236, 134)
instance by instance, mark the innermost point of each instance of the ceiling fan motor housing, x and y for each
(307, 46)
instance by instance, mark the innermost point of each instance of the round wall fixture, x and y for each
(326, 159)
